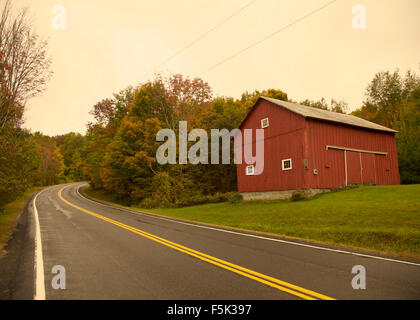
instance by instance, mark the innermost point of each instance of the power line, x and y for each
(206, 33)
(267, 37)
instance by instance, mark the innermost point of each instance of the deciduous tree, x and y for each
(24, 64)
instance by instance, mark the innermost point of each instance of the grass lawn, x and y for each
(10, 212)
(383, 219)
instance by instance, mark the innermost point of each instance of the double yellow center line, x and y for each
(267, 280)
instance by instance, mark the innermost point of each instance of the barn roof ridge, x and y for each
(321, 114)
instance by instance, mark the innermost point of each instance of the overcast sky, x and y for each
(108, 45)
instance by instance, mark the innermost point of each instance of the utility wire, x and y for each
(206, 33)
(267, 37)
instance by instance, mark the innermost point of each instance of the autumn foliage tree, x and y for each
(51, 169)
(108, 115)
(386, 95)
(24, 65)
(71, 147)
(130, 168)
(122, 141)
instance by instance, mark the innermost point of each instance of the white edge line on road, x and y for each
(252, 235)
(39, 261)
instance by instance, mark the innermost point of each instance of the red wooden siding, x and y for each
(333, 174)
(368, 168)
(354, 173)
(386, 166)
(322, 134)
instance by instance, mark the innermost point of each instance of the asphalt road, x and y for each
(110, 253)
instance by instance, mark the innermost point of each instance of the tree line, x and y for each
(24, 72)
(117, 153)
(120, 149)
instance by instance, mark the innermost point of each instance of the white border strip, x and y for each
(357, 150)
(39, 261)
(252, 235)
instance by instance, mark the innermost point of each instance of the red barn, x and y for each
(315, 150)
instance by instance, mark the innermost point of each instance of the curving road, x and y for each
(110, 253)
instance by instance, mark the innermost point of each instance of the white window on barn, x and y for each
(264, 123)
(286, 164)
(250, 170)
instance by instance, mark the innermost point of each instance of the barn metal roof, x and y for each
(315, 113)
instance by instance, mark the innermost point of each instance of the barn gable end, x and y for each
(284, 127)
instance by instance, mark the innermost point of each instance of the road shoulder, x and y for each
(17, 263)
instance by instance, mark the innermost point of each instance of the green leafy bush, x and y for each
(234, 197)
